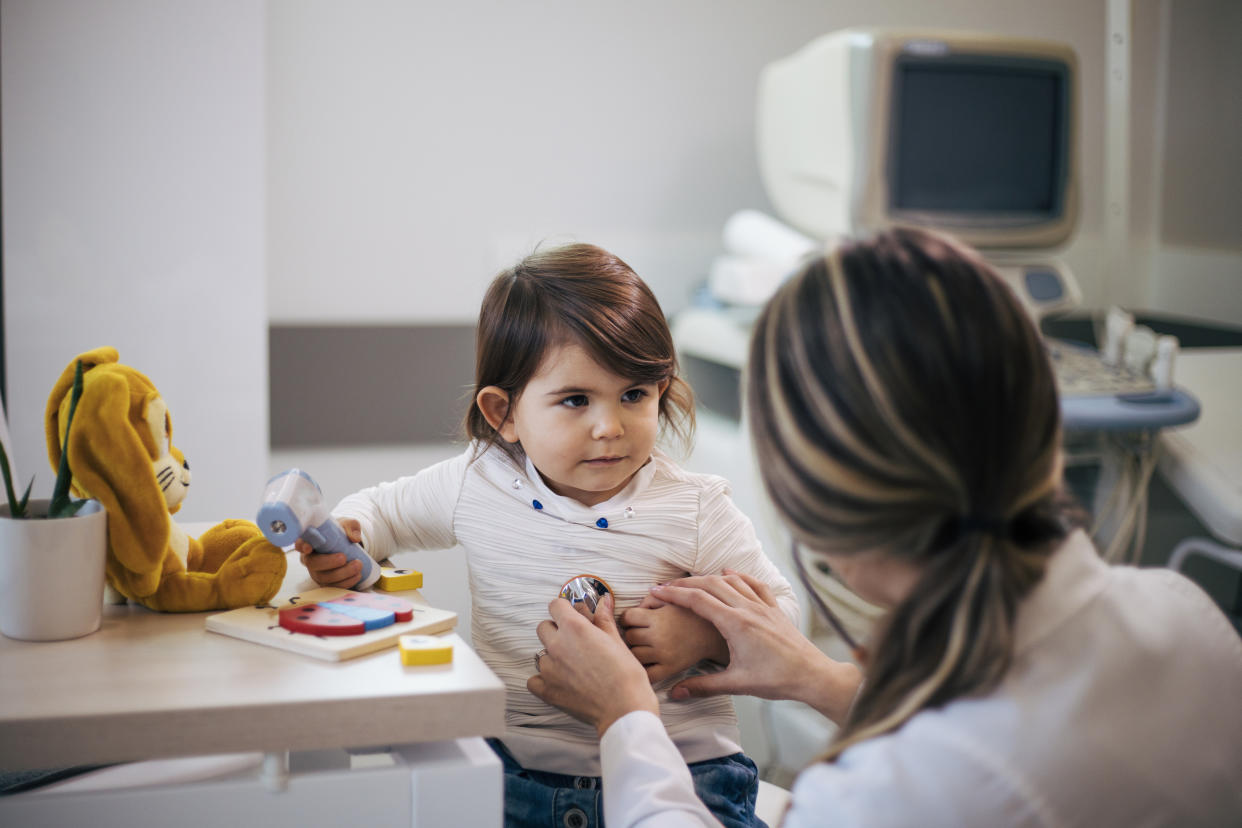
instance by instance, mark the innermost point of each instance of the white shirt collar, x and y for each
(1074, 576)
(611, 510)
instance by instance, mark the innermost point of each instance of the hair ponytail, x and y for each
(952, 638)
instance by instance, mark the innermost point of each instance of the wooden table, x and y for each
(150, 685)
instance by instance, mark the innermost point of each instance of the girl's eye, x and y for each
(633, 395)
(576, 401)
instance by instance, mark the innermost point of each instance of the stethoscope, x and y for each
(586, 590)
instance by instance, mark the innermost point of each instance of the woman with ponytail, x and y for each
(906, 424)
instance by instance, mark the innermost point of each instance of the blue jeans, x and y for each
(538, 799)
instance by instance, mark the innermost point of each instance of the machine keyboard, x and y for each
(1082, 372)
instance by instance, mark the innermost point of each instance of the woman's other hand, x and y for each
(588, 671)
(768, 656)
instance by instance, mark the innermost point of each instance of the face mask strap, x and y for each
(856, 650)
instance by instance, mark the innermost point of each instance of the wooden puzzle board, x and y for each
(262, 626)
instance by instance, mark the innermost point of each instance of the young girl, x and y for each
(575, 375)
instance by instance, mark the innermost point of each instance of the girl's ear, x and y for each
(663, 386)
(494, 403)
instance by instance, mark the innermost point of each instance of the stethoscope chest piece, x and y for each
(585, 589)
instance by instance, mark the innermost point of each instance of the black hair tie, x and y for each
(996, 527)
(958, 527)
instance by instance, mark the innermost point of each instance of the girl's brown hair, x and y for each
(902, 403)
(577, 294)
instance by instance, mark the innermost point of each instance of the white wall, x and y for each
(415, 149)
(411, 150)
(1197, 267)
(134, 216)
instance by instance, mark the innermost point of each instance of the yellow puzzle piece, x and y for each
(419, 650)
(396, 580)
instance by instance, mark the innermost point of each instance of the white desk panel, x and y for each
(1203, 461)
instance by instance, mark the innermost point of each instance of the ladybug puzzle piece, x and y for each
(351, 614)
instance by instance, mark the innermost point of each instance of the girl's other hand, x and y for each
(333, 569)
(668, 639)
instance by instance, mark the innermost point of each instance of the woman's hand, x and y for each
(588, 671)
(333, 569)
(768, 656)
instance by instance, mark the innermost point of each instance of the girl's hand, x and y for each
(333, 569)
(667, 639)
(768, 656)
(588, 671)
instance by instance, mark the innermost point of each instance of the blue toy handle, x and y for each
(329, 537)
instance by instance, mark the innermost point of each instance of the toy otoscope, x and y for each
(293, 509)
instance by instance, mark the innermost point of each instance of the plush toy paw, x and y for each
(249, 569)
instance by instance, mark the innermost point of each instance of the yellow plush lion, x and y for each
(121, 454)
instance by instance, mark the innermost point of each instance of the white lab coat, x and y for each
(1123, 707)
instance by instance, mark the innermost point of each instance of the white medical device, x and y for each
(969, 134)
(293, 509)
(972, 134)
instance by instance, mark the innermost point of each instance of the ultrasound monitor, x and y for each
(965, 133)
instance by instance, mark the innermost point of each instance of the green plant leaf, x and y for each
(67, 509)
(17, 508)
(21, 504)
(60, 493)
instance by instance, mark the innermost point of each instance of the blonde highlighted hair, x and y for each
(902, 403)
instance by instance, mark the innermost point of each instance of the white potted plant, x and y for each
(52, 556)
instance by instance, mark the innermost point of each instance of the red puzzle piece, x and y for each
(351, 614)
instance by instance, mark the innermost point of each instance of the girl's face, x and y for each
(584, 428)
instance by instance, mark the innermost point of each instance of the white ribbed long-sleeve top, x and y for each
(522, 542)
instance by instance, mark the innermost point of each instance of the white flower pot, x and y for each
(52, 573)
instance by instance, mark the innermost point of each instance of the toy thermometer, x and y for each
(293, 509)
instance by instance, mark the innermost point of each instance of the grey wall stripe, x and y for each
(362, 385)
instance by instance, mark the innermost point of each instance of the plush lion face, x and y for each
(172, 472)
